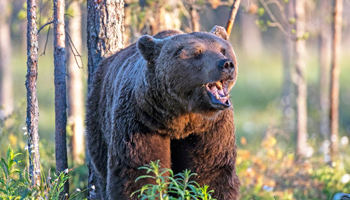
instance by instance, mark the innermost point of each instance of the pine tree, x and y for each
(60, 89)
(105, 31)
(32, 100)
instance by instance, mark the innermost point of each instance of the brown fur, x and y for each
(147, 102)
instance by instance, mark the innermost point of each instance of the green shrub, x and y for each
(15, 183)
(173, 187)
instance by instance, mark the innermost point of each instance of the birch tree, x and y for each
(300, 75)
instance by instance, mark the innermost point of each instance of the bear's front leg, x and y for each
(124, 159)
(212, 155)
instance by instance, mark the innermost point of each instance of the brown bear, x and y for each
(165, 98)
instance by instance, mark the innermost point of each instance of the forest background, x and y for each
(264, 97)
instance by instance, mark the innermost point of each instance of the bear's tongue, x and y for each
(219, 91)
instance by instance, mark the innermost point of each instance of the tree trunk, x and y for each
(251, 35)
(334, 98)
(75, 85)
(323, 57)
(105, 31)
(60, 89)
(6, 96)
(32, 100)
(288, 87)
(232, 17)
(301, 102)
(194, 21)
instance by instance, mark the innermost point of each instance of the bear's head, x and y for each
(194, 71)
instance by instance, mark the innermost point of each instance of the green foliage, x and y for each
(16, 184)
(292, 20)
(261, 11)
(332, 180)
(169, 186)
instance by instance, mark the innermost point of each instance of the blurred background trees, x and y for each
(6, 95)
(75, 80)
(283, 88)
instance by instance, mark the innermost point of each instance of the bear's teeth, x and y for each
(218, 84)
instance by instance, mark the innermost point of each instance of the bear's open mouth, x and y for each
(218, 92)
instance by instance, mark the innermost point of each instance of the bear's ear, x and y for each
(149, 47)
(219, 31)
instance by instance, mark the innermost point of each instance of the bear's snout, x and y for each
(227, 66)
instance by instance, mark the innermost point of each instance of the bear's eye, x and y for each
(198, 54)
(223, 51)
(178, 51)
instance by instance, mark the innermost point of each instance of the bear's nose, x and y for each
(226, 65)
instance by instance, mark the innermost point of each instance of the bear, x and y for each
(165, 98)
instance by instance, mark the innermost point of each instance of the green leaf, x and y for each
(144, 176)
(292, 20)
(306, 35)
(4, 167)
(261, 11)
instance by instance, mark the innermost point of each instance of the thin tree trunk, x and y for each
(301, 78)
(323, 53)
(6, 96)
(250, 35)
(232, 17)
(195, 26)
(75, 86)
(105, 31)
(334, 98)
(288, 87)
(60, 89)
(32, 100)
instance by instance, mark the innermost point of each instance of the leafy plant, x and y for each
(16, 184)
(169, 186)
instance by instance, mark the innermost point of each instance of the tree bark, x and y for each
(105, 31)
(32, 100)
(6, 94)
(323, 57)
(232, 17)
(75, 85)
(301, 102)
(60, 89)
(334, 95)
